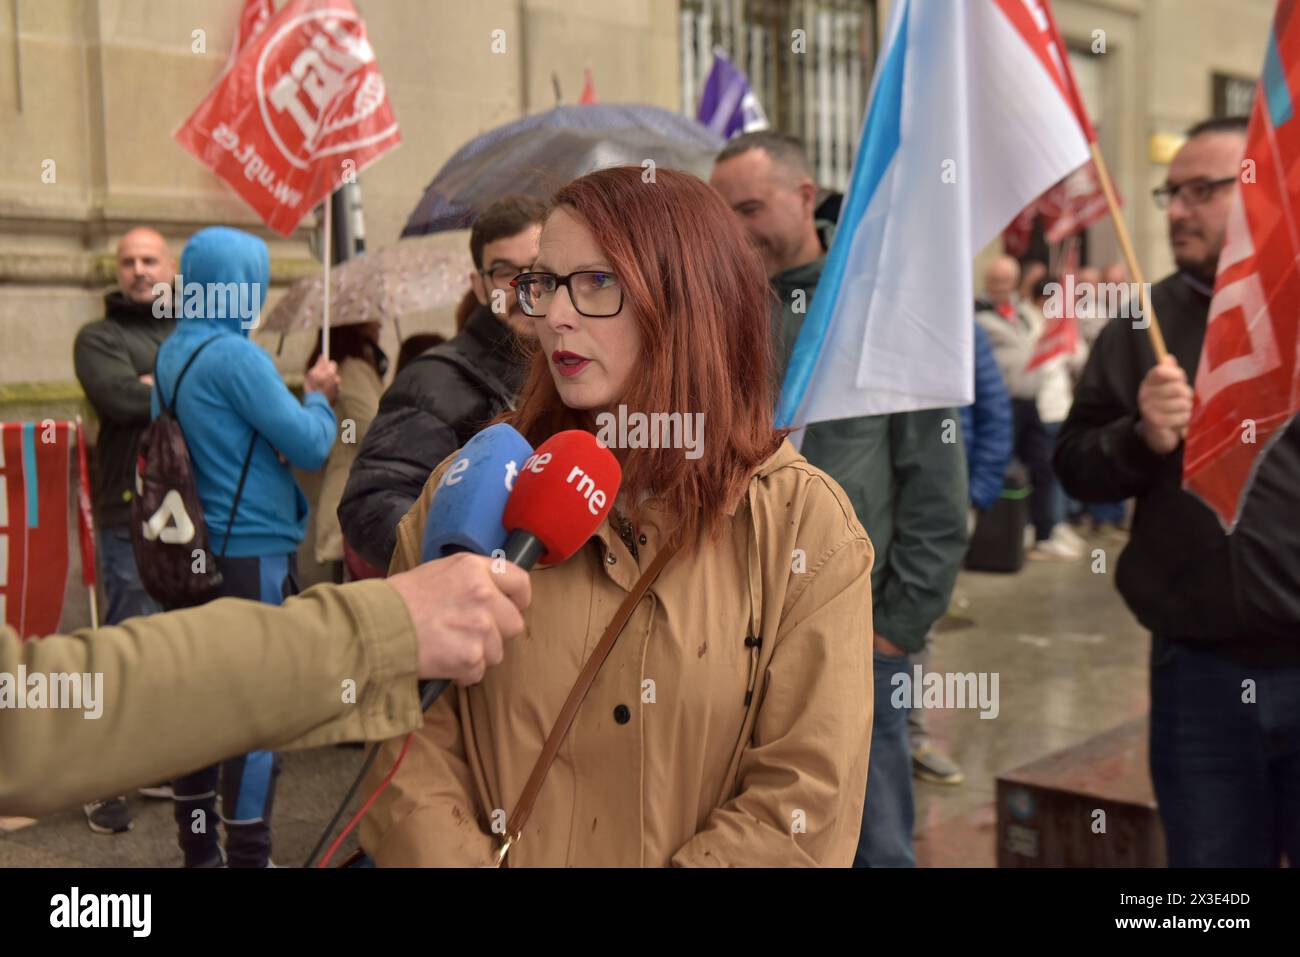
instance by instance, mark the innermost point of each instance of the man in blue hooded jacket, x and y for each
(239, 419)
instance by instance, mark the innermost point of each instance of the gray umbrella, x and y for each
(540, 153)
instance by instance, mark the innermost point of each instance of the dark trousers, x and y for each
(888, 813)
(246, 782)
(1225, 757)
(1034, 449)
(126, 595)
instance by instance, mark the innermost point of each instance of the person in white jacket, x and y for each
(1013, 328)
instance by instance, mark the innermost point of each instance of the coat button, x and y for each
(611, 558)
(622, 715)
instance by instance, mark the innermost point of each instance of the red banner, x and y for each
(34, 460)
(1248, 379)
(255, 15)
(1060, 337)
(302, 109)
(1068, 208)
(1077, 201)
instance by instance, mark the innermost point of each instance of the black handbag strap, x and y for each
(239, 491)
(171, 408)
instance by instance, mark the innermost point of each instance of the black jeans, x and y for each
(1034, 450)
(1225, 757)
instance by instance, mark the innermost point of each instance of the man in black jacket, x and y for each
(114, 359)
(438, 401)
(1223, 610)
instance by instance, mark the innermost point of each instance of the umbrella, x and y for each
(540, 153)
(413, 275)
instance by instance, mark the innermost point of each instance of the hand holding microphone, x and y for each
(499, 498)
(463, 613)
(465, 520)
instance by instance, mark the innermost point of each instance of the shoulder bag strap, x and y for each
(586, 677)
(180, 378)
(239, 491)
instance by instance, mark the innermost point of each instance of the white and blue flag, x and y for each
(968, 120)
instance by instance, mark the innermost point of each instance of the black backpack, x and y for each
(168, 533)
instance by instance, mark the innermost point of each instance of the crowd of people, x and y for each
(768, 735)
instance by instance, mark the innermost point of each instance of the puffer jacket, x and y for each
(434, 406)
(986, 427)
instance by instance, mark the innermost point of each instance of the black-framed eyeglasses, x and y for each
(1194, 192)
(499, 276)
(594, 293)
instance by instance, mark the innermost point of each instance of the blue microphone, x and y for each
(465, 514)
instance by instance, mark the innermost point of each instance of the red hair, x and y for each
(700, 296)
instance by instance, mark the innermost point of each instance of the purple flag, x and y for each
(728, 105)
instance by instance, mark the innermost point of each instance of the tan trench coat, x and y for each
(666, 762)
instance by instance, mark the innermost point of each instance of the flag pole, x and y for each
(325, 247)
(86, 522)
(1126, 247)
(1107, 188)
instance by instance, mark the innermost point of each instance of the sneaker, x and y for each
(110, 816)
(929, 765)
(1068, 537)
(162, 792)
(218, 861)
(1050, 550)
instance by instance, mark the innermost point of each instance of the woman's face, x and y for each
(590, 359)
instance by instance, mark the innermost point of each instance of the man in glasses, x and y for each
(1223, 610)
(443, 397)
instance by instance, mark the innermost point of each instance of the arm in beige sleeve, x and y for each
(802, 779)
(168, 693)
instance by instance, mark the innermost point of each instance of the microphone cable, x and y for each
(429, 693)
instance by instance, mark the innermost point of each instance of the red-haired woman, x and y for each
(730, 724)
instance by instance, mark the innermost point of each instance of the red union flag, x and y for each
(1248, 380)
(255, 15)
(1077, 201)
(303, 106)
(1069, 207)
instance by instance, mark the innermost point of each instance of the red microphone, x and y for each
(562, 493)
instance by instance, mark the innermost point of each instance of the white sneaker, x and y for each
(1068, 537)
(1052, 550)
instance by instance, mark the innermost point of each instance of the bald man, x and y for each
(114, 359)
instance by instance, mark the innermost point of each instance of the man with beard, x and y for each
(114, 359)
(907, 484)
(1223, 610)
